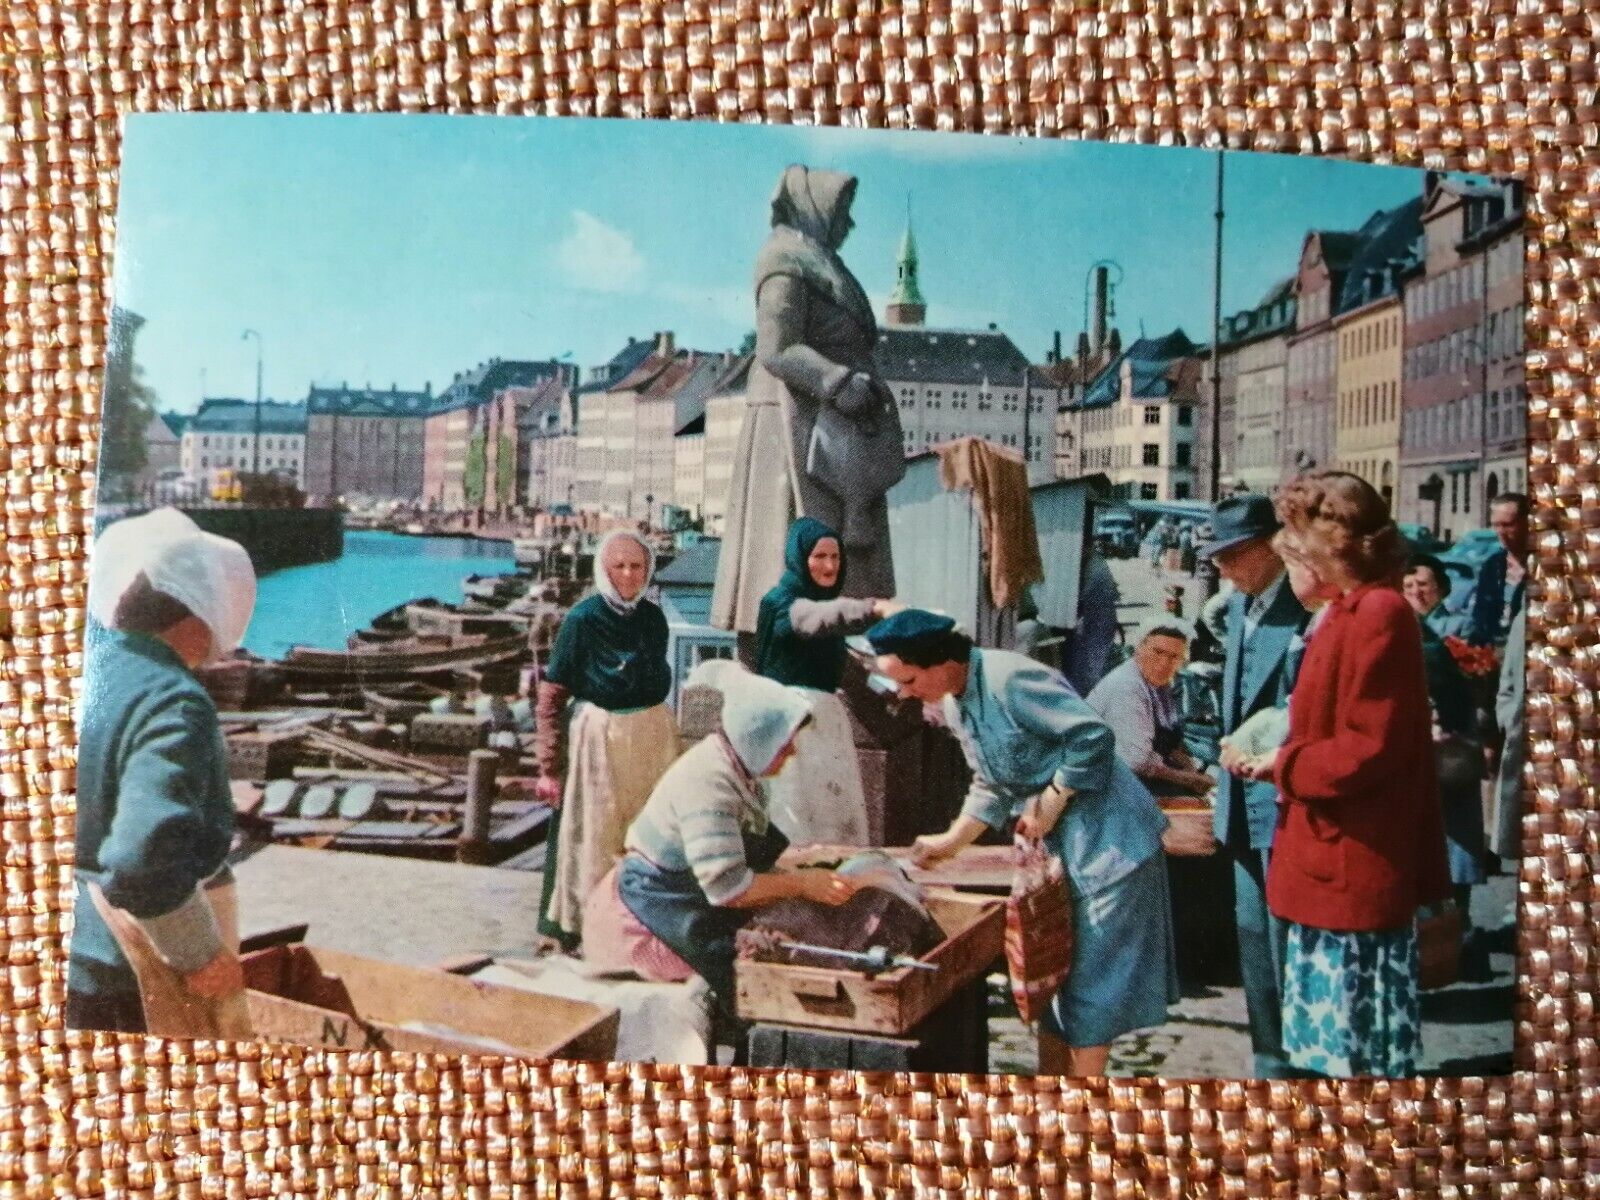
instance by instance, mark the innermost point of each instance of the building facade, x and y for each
(953, 383)
(222, 436)
(365, 443)
(1367, 412)
(547, 443)
(1137, 419)
(1311, 363)
(1463, 415)
(725, 409)
(1253, 368)
(594, 420)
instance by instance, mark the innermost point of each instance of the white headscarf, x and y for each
(211, 576)
(760, 716)
(602, 577)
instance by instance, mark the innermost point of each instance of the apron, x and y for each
(170, 1008)
(671, 905)
(615, 760)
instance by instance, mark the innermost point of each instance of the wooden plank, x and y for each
(890, 1003)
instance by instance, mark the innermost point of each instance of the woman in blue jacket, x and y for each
(1038, 750)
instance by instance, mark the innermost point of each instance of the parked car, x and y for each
(1115, 533)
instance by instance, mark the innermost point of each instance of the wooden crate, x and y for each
(892, 1003)
(313, 996)
(263, 755)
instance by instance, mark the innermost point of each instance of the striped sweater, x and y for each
(696, 818)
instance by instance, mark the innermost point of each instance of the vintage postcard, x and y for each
(787, 597)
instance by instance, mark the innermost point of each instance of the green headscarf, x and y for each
(781, 653)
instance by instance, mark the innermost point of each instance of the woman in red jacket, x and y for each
(1360, 842)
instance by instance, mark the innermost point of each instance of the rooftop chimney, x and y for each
(1102, 277)
(1055, 346)
(665, 345)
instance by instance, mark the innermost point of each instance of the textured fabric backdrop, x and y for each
(1486, 85)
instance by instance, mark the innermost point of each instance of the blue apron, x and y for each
(671, 905)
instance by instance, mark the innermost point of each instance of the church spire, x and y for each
(906, 305)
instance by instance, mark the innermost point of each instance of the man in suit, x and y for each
(1502, 580)
(1264, 621)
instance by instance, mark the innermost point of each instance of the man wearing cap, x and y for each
(155, 811)
(1037, 749)
(1262, 622)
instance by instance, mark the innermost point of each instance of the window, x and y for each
(1185, 414)
(1180, 490)
(1147, 491)
(1183, 453)
(1152, 455)
(1152, 415)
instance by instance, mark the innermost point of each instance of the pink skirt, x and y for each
(615, 941)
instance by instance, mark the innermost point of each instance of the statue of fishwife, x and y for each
(821, 435)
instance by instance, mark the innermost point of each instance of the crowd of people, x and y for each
(1340, 797)
(1347, 795)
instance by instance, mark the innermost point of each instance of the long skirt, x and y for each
(1350, 1002)
(614, 761)
(818, 798)
(1124, 967)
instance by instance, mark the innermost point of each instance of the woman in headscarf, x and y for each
(155, 944)
(800, 641)
(821, 435)
(701, 857)
(610, 662)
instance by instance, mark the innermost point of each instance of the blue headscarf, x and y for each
(781, 653)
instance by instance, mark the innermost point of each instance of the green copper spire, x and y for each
(906, 289)
(906, 305)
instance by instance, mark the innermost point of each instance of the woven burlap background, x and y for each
(1488, 85)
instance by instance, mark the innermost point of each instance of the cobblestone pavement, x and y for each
(1466, 1028)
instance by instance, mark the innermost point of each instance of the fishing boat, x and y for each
(397, 703)
(395, 661)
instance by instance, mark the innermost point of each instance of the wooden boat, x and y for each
(396, 661)
(491, 588)
(397, 703)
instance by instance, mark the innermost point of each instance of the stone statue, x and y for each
(821, 435)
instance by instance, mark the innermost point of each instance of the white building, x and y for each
(1136, 421)
(953, 383)
(724, 418)
(222, 435)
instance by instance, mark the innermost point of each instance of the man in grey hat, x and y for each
(1263, 619)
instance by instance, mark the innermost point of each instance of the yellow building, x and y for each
(1369, 340)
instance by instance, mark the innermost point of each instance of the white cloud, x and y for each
(599, 258)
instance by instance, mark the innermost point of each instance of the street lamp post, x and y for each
(255, 461)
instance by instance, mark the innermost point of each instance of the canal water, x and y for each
(321, 605)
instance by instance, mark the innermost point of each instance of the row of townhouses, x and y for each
(1393, 351)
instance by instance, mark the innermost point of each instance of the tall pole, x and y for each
(1483, 378)
(255, 468)
(1216, 348)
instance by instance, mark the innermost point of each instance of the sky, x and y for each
(402, 249)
